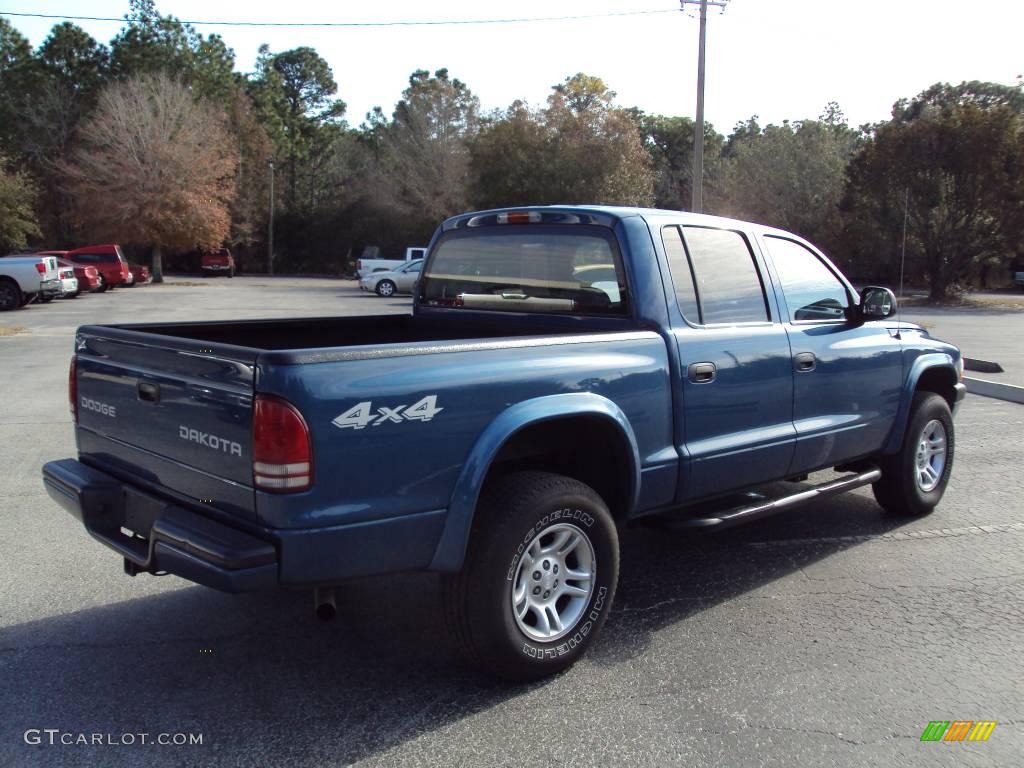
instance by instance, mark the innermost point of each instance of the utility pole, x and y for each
(697, 196)
(270, 225)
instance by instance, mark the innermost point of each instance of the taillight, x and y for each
(282, 457)
(73, 387)
(41, 268)
(519, 217)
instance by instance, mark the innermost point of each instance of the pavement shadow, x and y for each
(267, 685)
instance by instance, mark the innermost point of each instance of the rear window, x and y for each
(545, 269)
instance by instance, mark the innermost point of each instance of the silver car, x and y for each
(399, 280)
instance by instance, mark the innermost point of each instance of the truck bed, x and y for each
(331, 332)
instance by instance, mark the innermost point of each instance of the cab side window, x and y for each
(812, 291)
(682, 275)
(728, 283)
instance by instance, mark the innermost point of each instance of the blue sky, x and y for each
(780, 59)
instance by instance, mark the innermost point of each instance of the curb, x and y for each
(982, 366)
(1009, 392)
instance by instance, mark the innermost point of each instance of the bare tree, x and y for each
(155, 167)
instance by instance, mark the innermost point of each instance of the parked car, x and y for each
(109, 262)
(1018, 275)
(368, 266)
(88, 276)
(140, 273)
(28, 277)
(219, 262)
(388, 283)
(501, 432)
(68, 282)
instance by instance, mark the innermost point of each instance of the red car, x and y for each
(140, 273)
(88, 277)
(219, 262)
(109, 262)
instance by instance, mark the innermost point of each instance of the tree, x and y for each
(17, 220)
(72, 67)
(293, 92)
(669, 140)
(790, 175)
(945, 96)
(598, 152)
(150, 44)
(580, 149)
(510, 159)
(955, 167)
(18, 76)
(253, 148)
(422, 153)
(154, 167)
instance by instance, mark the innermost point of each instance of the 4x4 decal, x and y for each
(362, 415)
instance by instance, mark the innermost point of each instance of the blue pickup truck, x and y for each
(564, 371)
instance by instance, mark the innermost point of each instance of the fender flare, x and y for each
(927, 362)
(451, 548)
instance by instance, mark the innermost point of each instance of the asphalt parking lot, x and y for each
(829, 636)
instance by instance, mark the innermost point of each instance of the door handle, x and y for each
(149, 392)
(701, 373)
(804, 362)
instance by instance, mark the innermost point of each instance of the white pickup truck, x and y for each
(26, 277)
(365, 266)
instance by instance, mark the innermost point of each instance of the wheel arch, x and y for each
(934, 372)
(601, 452)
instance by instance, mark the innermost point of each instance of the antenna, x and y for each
(903, 258)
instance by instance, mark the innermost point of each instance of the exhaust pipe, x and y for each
(323, 603)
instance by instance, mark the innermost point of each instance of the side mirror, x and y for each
(877, 303)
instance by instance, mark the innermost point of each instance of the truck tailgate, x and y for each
(172, 413)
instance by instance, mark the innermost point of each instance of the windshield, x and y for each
(567, 269)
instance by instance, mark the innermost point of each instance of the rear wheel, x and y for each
(102, 286)
(10, 295)
(539, 576)
(914, 479)
(385, 288)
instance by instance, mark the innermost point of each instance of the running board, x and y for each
(749, 512)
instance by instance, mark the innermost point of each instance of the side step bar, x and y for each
(748, 512)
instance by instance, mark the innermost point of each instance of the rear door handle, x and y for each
(701, 373)
(804, 362)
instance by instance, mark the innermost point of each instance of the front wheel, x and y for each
(539, 577)
(10, 295)
(385, 288)
(914, 480)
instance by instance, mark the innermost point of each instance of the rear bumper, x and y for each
(50, 288)
(166, 537)
(169, 538)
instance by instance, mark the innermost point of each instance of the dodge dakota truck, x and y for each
(564, 371)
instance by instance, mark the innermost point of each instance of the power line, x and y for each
(404, 23)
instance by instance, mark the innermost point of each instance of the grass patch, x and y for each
(11, 330)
